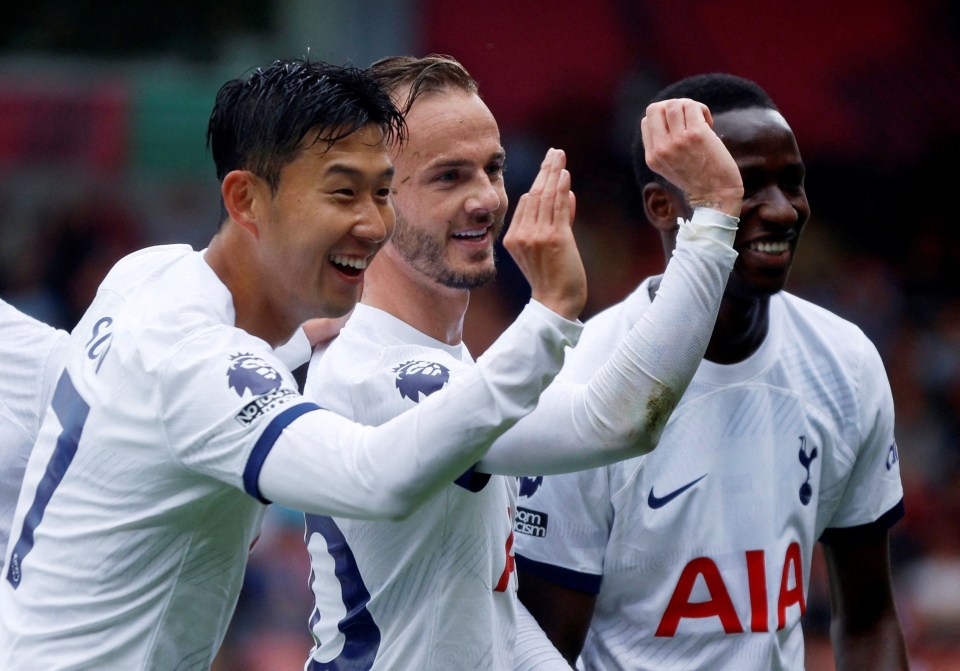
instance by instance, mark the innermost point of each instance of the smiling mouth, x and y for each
(779, 247)
(349, 265)
(470, 235)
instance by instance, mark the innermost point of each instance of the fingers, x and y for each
(547, 203)
(543, 192)
(680, 145)
(561, 200)
(554, 208)
(321, 330)
(534, 195)
(670, 118)
(541, 241)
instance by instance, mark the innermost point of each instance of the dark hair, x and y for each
(719, 91)
(432, 73)
(259, 122)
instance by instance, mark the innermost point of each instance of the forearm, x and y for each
(325, 464)
(623, 408)
(879, 647)
(864, 629)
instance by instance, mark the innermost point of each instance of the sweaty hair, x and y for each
(258, 123)
(432, 73)
(719, 91)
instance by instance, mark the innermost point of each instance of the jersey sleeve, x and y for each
(32, 354)
(873, 492)
(372, 379)
(224, 398)
(562, 528)
(324, 464)
(622, 407)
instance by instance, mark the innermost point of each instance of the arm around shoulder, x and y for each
(325, 464)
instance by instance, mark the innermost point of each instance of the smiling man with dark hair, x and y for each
(698, 555)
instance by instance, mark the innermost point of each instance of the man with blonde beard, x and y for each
(437, 590)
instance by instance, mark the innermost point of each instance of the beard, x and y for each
(428, 256)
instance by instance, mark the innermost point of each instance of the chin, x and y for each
(339, 310)
(336, 308)
(754, 290)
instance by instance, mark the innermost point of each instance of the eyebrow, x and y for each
(350, 171)
(461, 162)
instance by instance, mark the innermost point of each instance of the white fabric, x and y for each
(422, 593)
(296, 351)
(134, 552)
(31, 356)
(716, 514)
(620, 406)
(534, 651)
(387, 481)
(412, 587)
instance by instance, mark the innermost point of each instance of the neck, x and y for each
(740, 329)
(742, 325)
(233, 263)
(435, 310)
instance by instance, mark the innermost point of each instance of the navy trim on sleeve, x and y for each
(251, 474)
(582, 582)
(471, 480)
(864, 532)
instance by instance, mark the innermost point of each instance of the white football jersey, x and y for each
(31, 356)
(699, 552)
(139, 502)
(433, 591)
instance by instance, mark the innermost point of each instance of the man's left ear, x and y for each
(243, 196)
(662, 206)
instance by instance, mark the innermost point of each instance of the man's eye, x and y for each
(496, 169)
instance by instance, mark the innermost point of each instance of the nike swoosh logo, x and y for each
(660, 501)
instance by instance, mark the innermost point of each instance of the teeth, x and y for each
(471, 234)
(349, 261)
(770, 247)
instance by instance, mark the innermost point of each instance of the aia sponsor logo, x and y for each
(687, 602)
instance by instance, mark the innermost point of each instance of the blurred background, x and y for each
(103, 111)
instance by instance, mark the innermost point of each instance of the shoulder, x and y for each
(813, 326)
(371, 373)
(139, 267)
(32, 355)
(23, 338)
(832, 362)
(160, 304)
(802, 310)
